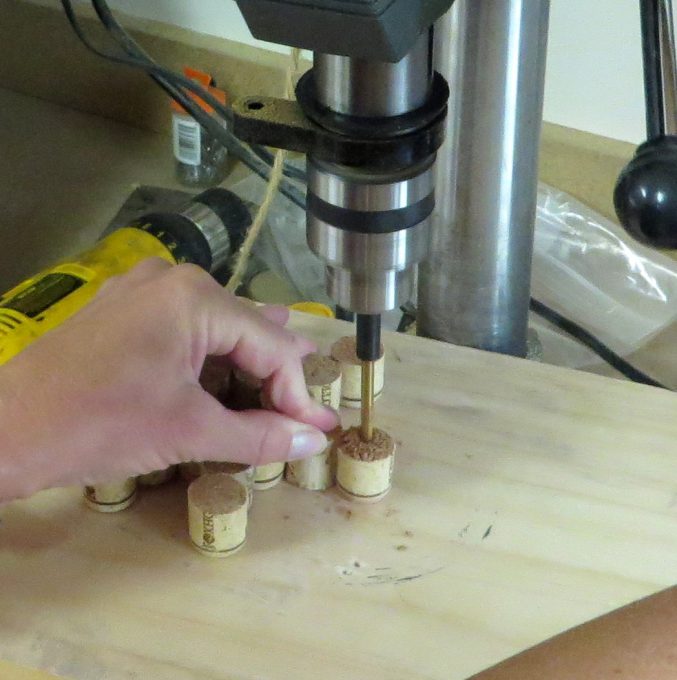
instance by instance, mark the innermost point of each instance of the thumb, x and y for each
(252, 437)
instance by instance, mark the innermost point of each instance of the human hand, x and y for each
(114, 392)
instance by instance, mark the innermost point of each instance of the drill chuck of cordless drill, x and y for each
(206, 232)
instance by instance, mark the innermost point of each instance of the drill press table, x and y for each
(527, 499)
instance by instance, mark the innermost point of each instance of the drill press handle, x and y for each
(645, 196)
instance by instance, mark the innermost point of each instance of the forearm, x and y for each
(13, 462)
(636, 642)
(36, 421)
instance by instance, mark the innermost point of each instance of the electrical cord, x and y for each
(595, 344)
(133, 49)
(575, 331)
(174, 85)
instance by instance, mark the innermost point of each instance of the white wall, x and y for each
(594, 78)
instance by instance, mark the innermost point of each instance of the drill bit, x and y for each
(368, 348)
(367, 414)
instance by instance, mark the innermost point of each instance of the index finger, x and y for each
(261, 347)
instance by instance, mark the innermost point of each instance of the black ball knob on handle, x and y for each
(645, 196)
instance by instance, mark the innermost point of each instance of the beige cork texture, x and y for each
(323, 380)
(364, 470)
(242, 472)
(343, 350)
(217, 514)
(112, 497)
(268, 476)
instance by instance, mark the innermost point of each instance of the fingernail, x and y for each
(306, 443)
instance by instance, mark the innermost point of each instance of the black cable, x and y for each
(171, 83)
(145, 64)
(133, 49)
(595, 344)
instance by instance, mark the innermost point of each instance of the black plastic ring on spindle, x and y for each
(368, 338)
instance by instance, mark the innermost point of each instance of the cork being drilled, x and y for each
(365, 468)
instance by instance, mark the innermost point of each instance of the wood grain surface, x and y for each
(526, 499)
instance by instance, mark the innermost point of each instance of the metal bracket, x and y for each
(283, 124)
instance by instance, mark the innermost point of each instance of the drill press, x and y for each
(369, 115)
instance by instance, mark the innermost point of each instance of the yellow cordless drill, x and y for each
(206, 232)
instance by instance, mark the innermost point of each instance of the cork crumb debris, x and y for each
(219, 493)
(381, 445)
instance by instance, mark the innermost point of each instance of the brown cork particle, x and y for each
(217, 494)
(320, 370)
(381, 446)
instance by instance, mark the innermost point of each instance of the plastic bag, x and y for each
(588, 269)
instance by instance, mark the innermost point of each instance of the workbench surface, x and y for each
(527, 499)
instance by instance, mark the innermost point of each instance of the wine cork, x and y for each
(241, 472)
(364, 470)
(318, 472)
(268, 476)
(323, 379)
(343, 350)
(156, 478)
(111, 497)
(217, 514)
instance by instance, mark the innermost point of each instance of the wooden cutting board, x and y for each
(527, 499)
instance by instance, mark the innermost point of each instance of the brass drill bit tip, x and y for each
(367, 411)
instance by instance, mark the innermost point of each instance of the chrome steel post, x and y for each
(474, 288)
(370, 271)
(667, 35)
